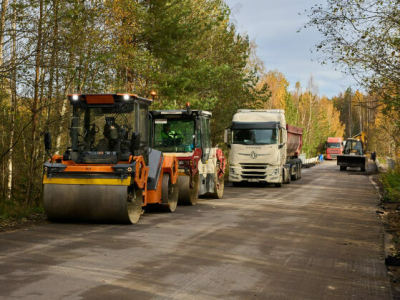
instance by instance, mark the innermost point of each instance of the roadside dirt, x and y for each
(33, 219)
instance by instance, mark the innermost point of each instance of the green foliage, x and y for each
(391, 184)
(16, 211)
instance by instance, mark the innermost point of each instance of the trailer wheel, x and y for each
(343, 168)
(295, 175)
(169, 193)
(299, 170)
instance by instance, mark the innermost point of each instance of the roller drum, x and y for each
(92, 203)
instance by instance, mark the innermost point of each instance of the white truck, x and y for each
(263, 148)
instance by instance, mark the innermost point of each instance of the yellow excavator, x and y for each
(354, 153)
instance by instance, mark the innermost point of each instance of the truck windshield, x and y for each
(102, 129)
(254, 136)
(333, 145)
(174, 135)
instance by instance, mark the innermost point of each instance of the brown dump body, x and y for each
(294, 140)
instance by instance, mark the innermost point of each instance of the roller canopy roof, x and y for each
(182, 112)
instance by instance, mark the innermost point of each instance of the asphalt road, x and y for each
(317, 238)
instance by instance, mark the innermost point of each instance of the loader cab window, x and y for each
(174, 135)
(354, 147)
(255, 136)
(102, 131)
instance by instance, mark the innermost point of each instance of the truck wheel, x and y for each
(218, 185)
(343, 168)
(278, 184)
(295, 175)
(236, 184)
(169, 193)
(299, 171)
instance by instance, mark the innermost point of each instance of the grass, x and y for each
(16, 211)
(391, 185)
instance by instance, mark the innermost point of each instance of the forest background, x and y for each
(186, 50)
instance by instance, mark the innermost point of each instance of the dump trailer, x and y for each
(354, 153)
(263, 148)
(185, 134)
(334, 147)
(108, 173)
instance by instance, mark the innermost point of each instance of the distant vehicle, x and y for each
(354, 153)
(263, 148)
(334, 147)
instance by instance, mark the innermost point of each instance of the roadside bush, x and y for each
(10, 210)
(391, 184)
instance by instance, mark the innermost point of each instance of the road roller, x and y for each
(185, 134)
(108, 173)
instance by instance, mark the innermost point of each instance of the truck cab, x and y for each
(258, 142)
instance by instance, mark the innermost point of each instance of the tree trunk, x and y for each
(35, 103)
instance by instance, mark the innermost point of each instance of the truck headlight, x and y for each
(233, 171)
(275, 172)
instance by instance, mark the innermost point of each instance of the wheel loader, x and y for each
(185, 134)
(354, 153)
(108, 173)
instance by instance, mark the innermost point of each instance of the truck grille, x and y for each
(253, 166)
(253, 171)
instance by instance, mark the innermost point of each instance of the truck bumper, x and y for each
(255, 173)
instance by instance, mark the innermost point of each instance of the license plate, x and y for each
(253, 180)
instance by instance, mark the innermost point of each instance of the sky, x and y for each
(273, 24)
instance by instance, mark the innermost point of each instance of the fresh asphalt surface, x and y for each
(316, 238)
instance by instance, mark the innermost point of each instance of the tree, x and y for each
(362, 37)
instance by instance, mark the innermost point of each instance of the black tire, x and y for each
(362, 169)
(236, 184)
(299, 170)
(343, 168)
(295, 175)
(278, 184)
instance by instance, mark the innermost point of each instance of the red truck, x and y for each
(334, 147)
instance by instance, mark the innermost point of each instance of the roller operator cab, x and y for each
(185, 134)
(108, 172)
(263, 148)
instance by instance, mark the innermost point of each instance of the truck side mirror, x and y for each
(135, 142)
(47, 141)
(281, 146)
